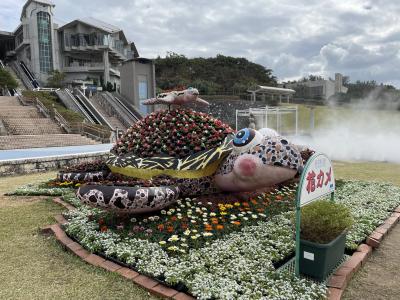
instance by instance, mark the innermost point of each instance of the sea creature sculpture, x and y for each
(245, 162)
(189, 95)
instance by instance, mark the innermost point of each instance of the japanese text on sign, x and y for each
(318, 179)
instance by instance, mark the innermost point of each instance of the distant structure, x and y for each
(274, 93)
(320, 89)
(84, 49)
(138, 82)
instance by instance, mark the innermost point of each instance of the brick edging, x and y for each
(336, 284)
(341, 277)
(68, 206)
(143, 281)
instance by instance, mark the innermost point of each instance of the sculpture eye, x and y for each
(246, 139)
(243, 137)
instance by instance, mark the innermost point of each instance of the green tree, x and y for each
(220, 74)
(7, 81)
(56, 79)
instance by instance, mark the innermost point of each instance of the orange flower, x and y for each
(103, 228)
(173, 218)
(101, 221)
(245, 204)
(184, 226)
(253, 201)
(260, 210)
(219, 227)
(278, 197)
(170, 229)
(236, 223)
(208, 227)
(214, 220)
(160, 227)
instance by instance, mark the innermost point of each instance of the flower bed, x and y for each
(178, 133)
(224, 251)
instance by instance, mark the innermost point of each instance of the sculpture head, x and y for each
(192, 91)
(258, 161)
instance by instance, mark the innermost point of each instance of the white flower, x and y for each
(207, 234)
(133, 220)
(162, 242)
(213, 214)
(186, 232)
(173, 238)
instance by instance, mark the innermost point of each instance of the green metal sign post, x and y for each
(317, 180)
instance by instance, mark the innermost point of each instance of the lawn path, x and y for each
(36, 267)
(379, 279)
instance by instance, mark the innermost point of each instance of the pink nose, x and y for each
(247, 166)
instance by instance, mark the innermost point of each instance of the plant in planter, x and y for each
(323, 236)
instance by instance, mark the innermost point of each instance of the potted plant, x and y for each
(323, 237)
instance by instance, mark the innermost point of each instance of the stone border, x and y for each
(336, 284)
(40, 164)
(143, 281)
(342, 276)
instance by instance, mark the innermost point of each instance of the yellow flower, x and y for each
(236, 204)
(223, 213)
(173, 248)
(228, 205)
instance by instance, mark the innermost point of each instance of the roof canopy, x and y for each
(262, 89)
(45, 2)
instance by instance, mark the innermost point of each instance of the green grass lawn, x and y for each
(325, 116)
(36, 267)
(368, 171)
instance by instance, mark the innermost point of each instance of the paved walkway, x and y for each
(379, 278)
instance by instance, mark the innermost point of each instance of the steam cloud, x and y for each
(360, 133)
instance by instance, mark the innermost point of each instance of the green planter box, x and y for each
(317, 260)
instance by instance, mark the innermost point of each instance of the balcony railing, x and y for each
(76, 67)
(81, 40)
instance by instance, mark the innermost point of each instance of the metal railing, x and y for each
(92, 110)
(42, 108)
(20, 73)
(40, 89)
(90, 130)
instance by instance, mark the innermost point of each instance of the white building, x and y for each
(85, 49)
(318, 89)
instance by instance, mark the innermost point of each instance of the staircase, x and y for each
(31, 126)
(9, 142)
(107, 112)
(23, 127)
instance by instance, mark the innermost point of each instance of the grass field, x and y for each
(36, 267)
(325, 116)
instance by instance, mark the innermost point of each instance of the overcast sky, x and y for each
(358, 38)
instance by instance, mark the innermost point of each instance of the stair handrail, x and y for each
(81, 109)
(116, 111)
(130, 108)
(42, 108)
(24, 78)
(100, 118)
(61, 121)
(89, 130)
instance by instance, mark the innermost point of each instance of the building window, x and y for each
(45, 47)
(143, 94)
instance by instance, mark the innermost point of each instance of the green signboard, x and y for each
(317, 180)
